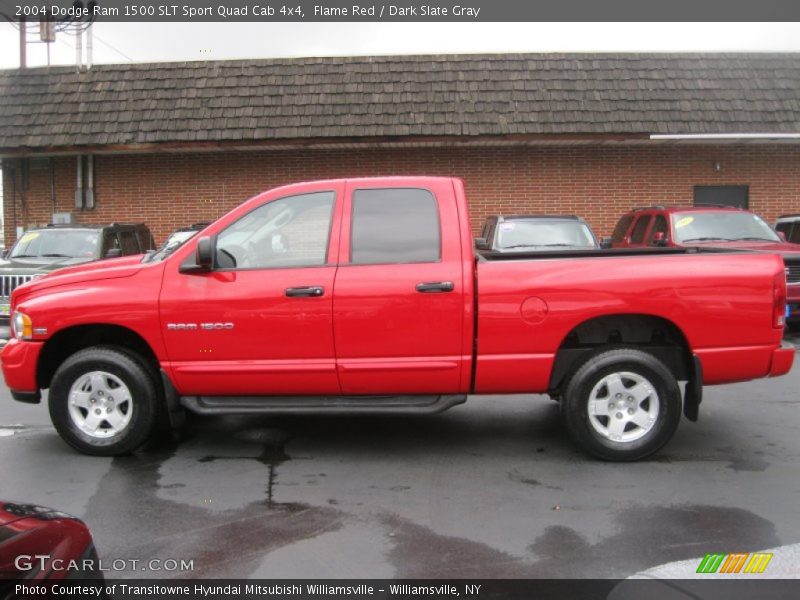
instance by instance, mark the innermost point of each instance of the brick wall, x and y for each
(597, 182)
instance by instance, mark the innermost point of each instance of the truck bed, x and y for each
(530, 303)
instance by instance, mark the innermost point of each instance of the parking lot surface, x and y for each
(490, 489)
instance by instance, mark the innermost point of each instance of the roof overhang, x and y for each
(722, 138)
(405, 142)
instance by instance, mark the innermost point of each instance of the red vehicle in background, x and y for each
(39, 544)
(366, 295)
(710, 226)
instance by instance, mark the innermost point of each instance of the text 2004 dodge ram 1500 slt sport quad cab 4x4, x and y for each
(365, 295)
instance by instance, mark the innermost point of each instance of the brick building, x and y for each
(175, 143)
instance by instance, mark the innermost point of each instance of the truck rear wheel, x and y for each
(104, 401)
(621, 405)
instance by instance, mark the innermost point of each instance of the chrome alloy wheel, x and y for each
(623, 407)
(100, 404)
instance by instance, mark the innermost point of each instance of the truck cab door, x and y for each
(260, 322)
(399, 296)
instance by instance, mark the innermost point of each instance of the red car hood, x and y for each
(111, 268)
(7, 517)
(11, 512)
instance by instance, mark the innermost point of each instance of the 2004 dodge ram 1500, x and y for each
(365, 295)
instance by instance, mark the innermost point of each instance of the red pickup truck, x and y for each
(365, 295)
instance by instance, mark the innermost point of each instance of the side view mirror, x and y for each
(781, 234)
(482, 244)
(205, 252)
(113, 253)
(659, 238)
(605, 243)
(204, 256)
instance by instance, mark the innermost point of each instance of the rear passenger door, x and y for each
(398, 295)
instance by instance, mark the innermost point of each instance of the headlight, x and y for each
(22, 326)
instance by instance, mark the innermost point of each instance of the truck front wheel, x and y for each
(621, 405)
(103, 401)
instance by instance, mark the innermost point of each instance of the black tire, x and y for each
(120, 365)
(594, 371)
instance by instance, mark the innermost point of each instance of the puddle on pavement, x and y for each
(167, 497)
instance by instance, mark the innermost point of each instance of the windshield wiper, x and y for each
(708, 239)
(24, 256)
(54, 255)
(754, 239)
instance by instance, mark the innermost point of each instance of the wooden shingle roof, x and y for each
(362, 98)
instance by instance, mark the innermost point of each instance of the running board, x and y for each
(319, 405)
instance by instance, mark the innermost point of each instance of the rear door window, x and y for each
(637, 237)
(392, 226)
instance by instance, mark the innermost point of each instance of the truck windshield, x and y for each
(724, 225)
(541, 235)
(58, 243)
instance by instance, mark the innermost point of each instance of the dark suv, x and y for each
(44, 249)
(716, 226)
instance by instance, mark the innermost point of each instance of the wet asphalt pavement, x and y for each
(489, 489)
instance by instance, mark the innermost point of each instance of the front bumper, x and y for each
(782, 359)
(19, 359)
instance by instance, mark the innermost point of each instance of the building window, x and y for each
(721, 195)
